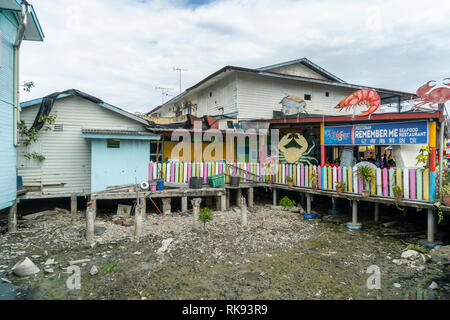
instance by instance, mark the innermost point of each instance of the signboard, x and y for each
(393, 133)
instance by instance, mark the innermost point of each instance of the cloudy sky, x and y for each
(121, 50)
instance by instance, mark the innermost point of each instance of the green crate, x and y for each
(216, 181)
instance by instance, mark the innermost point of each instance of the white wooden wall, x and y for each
(68, 154)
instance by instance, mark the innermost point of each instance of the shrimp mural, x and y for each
(362, 98)
(434, 97)
(295, 154)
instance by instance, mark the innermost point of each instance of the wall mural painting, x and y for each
(297, 151)
(293, 105)
(362, 98)
(434, 97)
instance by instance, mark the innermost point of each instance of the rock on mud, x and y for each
(25, 268)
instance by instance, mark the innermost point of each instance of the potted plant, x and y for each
(314, 179)
(446, 195)
(366, 175)
(290, 182)
(340, 187)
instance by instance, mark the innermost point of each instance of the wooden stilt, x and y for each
(195, 212)
(223, 202)
(166, 205)
(12, 218)
(73, 204)
(90, 220)
(184, 204)
(243, 206)
(138, 219)
(431, 226)
(377, 211)
(274, 192)
(250, 197)
(144, 208)
(308, 203)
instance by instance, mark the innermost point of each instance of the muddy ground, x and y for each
(279, 256)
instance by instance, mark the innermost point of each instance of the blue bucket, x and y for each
(308, 216)
(160, 185)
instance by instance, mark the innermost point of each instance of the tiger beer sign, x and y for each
(394, 133)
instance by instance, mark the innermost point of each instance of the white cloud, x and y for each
(121, 50)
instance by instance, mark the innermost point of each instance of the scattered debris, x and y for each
(25, 268)
(49, 261)
(93, 271)
(124, 222)
(60, 210)
(410, 254)
(38, 215)
(165, 244)
(123, 209)
(6, 280)
(397, 285)
(433, 286)
(441, 255)
(48, 270)
(79, 261)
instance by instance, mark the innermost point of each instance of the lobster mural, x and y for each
(296, 154)
(367, 98)
(434, 97)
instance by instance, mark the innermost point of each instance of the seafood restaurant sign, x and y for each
(377, 134)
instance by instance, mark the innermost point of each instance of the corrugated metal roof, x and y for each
(116, 130)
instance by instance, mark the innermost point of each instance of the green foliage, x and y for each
(366, 174)
(417, 248)
(445, 190)
(398, 191)
(27, 86)
(289, 179)
(287, 203)
(112, 267)
(30, 135)
(422, 157)
(205, 215)
(340, 185)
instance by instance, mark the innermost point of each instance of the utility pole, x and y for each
(163, 92)
(179, 70)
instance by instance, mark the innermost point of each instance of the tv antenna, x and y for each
(163, 92)
(179, 70)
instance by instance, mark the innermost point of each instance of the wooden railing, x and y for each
(417, 184)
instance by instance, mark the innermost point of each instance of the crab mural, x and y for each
(432, 97)
(296, 154)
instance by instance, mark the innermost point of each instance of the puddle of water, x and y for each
(7, 290)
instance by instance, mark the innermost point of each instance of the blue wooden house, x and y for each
(18, 22)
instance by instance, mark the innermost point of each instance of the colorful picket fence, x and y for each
(417, 184)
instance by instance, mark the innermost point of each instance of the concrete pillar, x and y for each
(377, 211)
(354, 225)
(218, 207)
(138, 219)
(355, 212)
(238, 196)
(143, 208)
(250, 197)
(431, 226)
(195, 212)
(228, 196)
(90, 220)
(12, 218)
(308, 203)
(166, 207)
(73, 204)
(223, 202)
(184, 204)
(274, 192)
(243, 206)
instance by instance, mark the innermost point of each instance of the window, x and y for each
(113, 143)
(154, 151)
(327, 94)
(307, 97)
